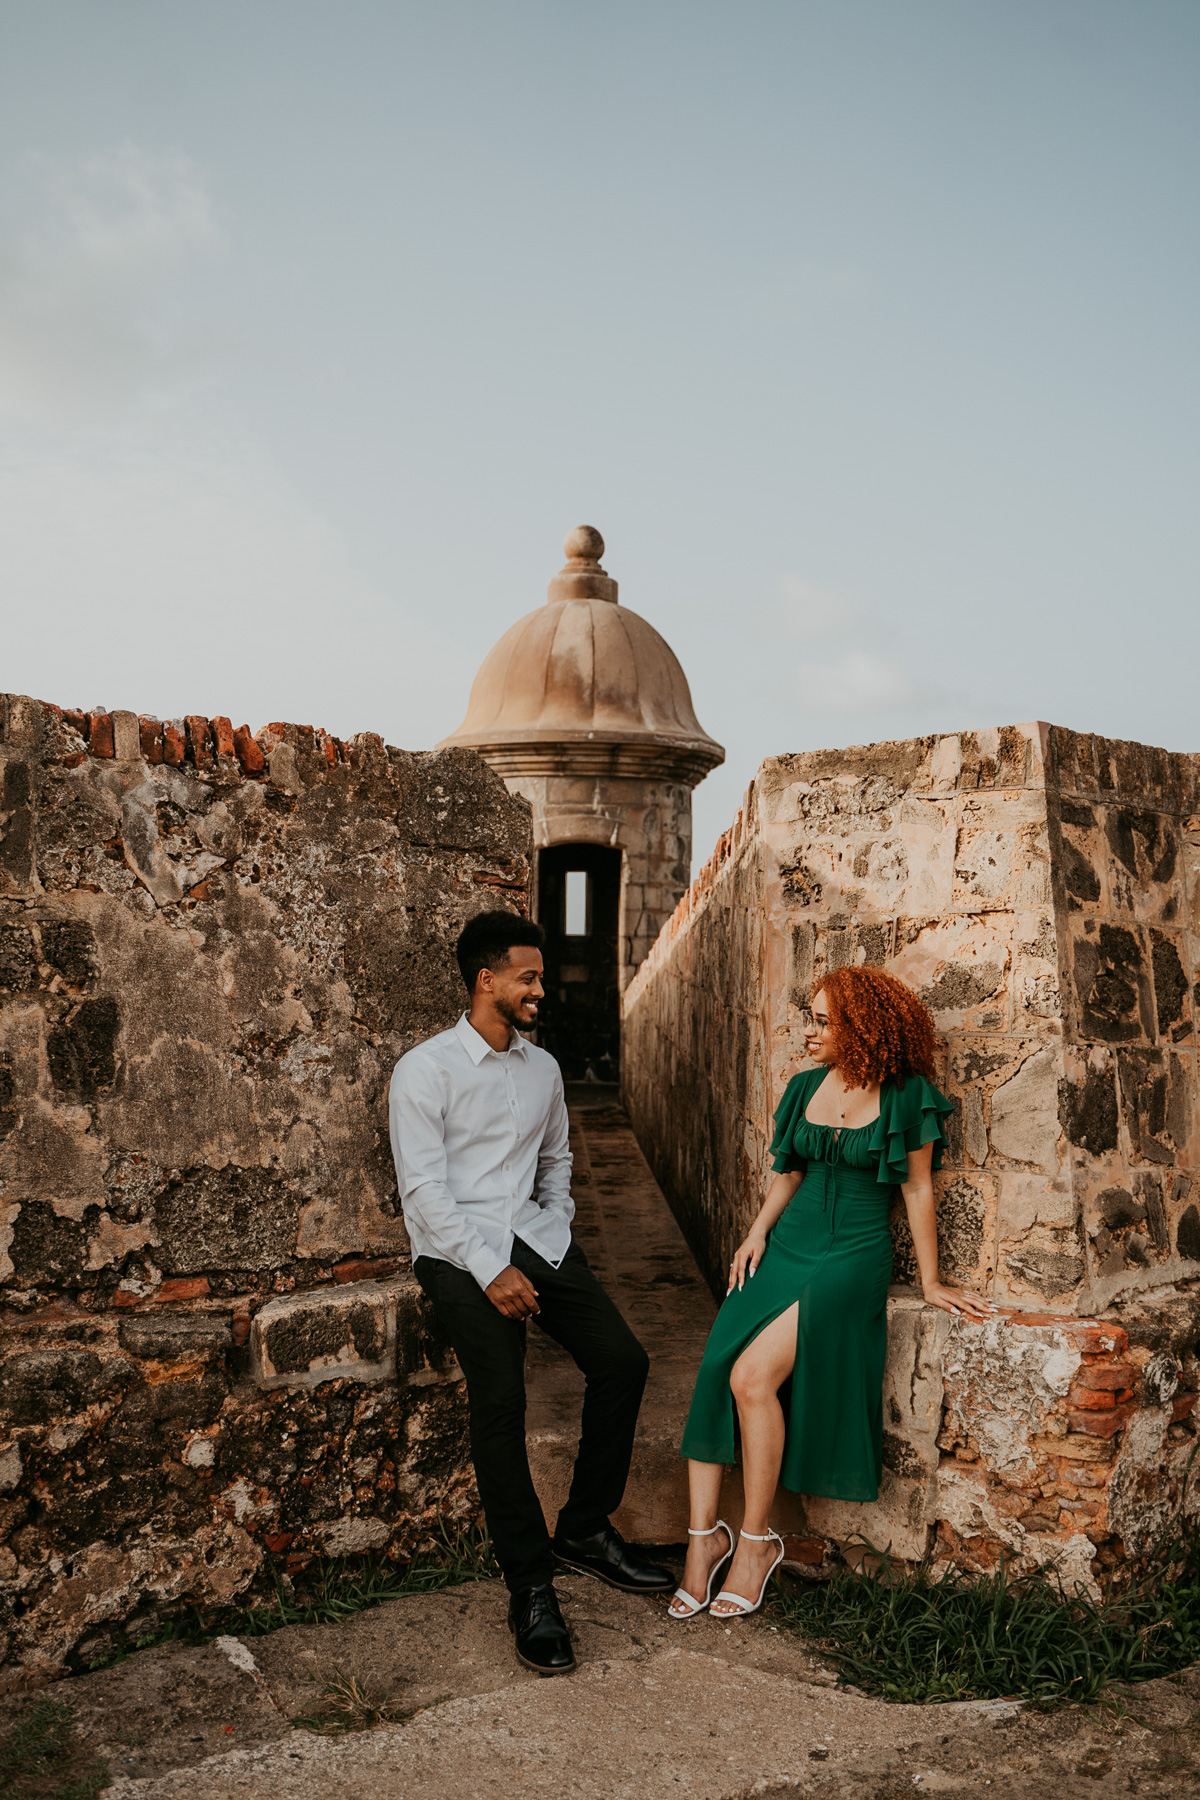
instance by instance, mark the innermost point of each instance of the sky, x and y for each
(864, 331)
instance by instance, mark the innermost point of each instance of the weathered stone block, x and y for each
(1024, 1110)
(1112, 984)
(343, 1332)
(127, 736)
(173, 1335)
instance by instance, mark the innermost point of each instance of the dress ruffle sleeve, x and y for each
(788, 1114)
(909, 1116)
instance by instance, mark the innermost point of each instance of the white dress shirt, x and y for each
(480, 1142)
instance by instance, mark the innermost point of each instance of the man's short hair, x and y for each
(485, 941)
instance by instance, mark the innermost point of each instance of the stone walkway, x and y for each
(639, 1253)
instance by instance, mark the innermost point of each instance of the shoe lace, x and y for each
(541, 1603)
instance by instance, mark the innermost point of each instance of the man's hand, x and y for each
(513, 1294)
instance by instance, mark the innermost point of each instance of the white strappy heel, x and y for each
(691, 1605)
(742, 1606)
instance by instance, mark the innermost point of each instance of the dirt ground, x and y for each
(655, 1709)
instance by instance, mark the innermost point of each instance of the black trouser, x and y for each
(578, 1314)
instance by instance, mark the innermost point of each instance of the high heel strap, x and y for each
(740, 1604)
(688, 1605)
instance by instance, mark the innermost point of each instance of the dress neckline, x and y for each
(817, 1125)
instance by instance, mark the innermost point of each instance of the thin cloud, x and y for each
(804, 609)
(837, 680)
(854, 681)
(173, 577)
(81, 329)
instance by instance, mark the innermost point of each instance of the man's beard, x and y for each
(511, 1016)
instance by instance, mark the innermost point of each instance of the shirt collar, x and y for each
(478, 1047)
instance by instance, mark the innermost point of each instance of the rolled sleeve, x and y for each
(416, 1118)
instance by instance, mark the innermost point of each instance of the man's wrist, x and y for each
(486, 1265)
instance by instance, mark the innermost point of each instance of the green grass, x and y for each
(41, 1759)
(916, 1636)
(330, 1589)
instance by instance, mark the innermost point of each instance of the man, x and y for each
(479, 1133)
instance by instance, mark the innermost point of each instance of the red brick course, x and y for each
(100, 734)
(1106, 1375)
(183, 1287)
(150, 732)
(804, 1550)
(1102, 1424)
(1094, 1337)
(365, 1268)
(1091, 1399)
(204, 742)
(199, 740)
(248, 751)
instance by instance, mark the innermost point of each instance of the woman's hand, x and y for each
(959, 1302)
(746, 1258)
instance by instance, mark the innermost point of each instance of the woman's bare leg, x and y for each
(704, 1489)
(758, 1374)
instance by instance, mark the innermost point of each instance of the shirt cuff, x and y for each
(485, 1265)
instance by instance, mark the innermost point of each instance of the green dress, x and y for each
(832, 1252)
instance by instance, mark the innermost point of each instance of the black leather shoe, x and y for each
(607, 1555)
(540, 1631)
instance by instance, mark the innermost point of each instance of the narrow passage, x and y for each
(632, 1241)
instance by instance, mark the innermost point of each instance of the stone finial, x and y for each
(583, 544)
(582, 578)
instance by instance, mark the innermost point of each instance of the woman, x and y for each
(807, 1297)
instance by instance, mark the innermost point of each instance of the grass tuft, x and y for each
(349, 1707)
(916, 1636)
(41, 1758)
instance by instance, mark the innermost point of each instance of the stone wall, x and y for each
(647, 817)
(1040, 890)
(213, 948)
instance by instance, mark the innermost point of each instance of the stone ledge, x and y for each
(366, 1331)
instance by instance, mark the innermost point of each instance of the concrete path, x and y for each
(656, 1711)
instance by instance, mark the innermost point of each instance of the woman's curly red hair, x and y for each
(881, 1030)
